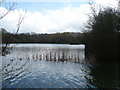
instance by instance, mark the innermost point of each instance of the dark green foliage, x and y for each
(61, 38)
(102, 40)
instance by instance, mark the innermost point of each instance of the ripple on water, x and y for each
(50, 74)
(47, 74)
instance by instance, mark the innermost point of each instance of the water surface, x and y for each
(55, 66)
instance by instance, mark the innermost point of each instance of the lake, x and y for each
(55, 66)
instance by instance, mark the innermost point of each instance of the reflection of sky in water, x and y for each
(37, 73)
(51, 74)
(37, 66)
(49, 45)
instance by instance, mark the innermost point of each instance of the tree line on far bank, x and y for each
(58, 38)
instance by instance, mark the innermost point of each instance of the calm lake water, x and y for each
(55, 66)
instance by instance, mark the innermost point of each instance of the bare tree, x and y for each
(5, 47)
(3, 14)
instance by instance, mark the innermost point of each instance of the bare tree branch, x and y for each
(20, 20)
(9, 9)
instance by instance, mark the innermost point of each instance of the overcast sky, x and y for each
(50, 16)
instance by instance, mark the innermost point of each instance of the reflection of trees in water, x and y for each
(16, 63)
(53, 55)
(106, 75)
